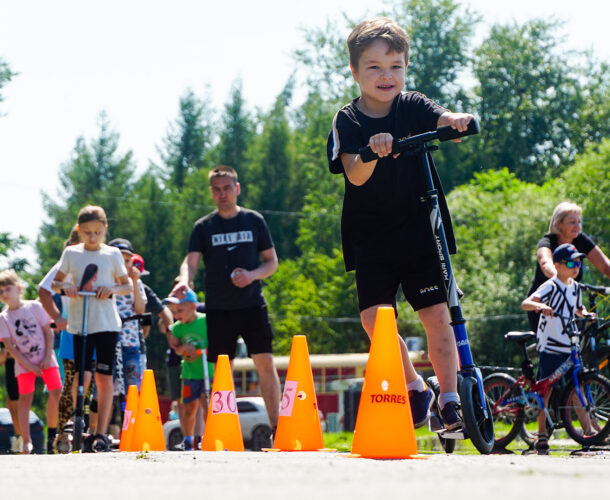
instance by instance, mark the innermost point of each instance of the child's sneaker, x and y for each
(16, 444)
(62, 443)
(451, 415)
(541, 444)
(421, 402)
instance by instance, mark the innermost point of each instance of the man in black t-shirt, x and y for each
(238, 253)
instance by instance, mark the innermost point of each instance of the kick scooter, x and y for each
(476, 413)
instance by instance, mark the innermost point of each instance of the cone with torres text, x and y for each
(384, 426)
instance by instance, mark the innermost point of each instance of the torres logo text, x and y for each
(388, 398)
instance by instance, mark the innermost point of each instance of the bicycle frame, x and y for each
(538, 389)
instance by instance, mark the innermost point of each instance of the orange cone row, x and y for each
(384, 426)
(142, 425)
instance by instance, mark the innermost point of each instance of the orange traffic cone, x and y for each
(222, 431)
(299, 428)
(129, 420)
(148, 429)
(384, 426)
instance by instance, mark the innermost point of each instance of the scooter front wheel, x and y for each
(480, 428)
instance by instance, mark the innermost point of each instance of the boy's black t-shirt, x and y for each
(225, 245)
(385, 219)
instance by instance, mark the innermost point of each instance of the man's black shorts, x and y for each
(421, 280)
(104, 344)
(224, 327)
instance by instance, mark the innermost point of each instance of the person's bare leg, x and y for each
(441, 345)
(13, 408)
(190, 413)
(53, 407)
(270, 385)
(105, 388)
(25, 403)
(368, 317)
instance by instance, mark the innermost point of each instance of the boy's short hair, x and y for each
(92, 213)
(561, 211)
(9, 277)
(223, 171)
(380, 28)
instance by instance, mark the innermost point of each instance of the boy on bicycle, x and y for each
(385, 228)
(557, 299)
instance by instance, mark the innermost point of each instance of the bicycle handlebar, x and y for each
(604, 290)
(441, 134)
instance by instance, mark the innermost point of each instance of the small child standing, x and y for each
(25, 328)
(559, 296)
(190, 339)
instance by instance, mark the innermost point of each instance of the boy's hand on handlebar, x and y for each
(103, 292)
(70, 290)
(381, 144)
(458, 121)
(546, 310)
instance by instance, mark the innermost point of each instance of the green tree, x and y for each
(9, 252)
(5, 75)
(530, 98)
(188, 139)
(96, 174)
(236, 134)
(276, 189)
(440, 33)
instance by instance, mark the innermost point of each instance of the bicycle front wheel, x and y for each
(501, 390)
(479, 427)
(587, 424)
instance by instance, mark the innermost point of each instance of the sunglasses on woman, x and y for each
(571, 264)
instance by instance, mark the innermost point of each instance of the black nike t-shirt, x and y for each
(225, 245)
(385, 219)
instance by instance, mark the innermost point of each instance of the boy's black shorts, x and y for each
(104, 344)
(421, 280)
(225, 326)
(12, 387)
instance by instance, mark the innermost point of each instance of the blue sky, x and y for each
(135, 58)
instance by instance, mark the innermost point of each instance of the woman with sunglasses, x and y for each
(565, 227)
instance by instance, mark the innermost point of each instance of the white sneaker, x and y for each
(16, 444)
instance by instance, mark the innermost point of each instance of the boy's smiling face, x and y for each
(381, 77)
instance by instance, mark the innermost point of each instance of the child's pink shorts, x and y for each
(50, 376)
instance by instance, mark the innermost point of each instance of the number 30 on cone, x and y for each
(224, 402)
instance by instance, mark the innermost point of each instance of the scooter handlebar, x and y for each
(441, 134)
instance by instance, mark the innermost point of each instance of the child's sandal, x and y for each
(541, 444)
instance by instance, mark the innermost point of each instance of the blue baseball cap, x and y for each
(567, 251)
(189, 296)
